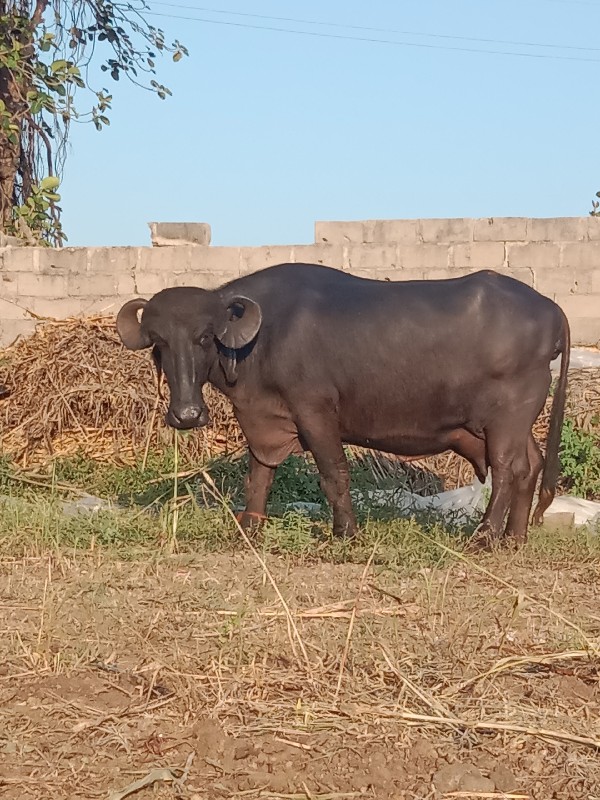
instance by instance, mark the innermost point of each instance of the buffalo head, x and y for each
(190, 331)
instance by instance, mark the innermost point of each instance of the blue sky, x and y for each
(267, 131)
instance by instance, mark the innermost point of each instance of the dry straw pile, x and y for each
(75, 389)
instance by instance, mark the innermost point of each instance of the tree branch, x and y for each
(40, 7)
(44, 136)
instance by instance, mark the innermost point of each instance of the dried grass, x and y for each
(157, 675)
(75, 389)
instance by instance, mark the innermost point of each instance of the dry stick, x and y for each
(508, 727)
(352, 619)
(167, 775)
(423, 696)
(175, 518)
(499, 795)
(462, 557)
(150, 431)
(68, 407)
(514, 661)
(304, 796)
(290, 619)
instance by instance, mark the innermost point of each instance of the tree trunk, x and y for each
(14, 97)
(10, 154)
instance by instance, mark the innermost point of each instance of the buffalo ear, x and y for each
(128, 325)
(244, 318)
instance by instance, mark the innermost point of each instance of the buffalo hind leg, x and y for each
(507, 452)
(320, 433)
(522, 497)
(257, 487)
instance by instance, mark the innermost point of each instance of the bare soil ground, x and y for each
(469, 681)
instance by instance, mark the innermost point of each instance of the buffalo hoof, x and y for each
(482, 541)
(346, 533)
(250, 521)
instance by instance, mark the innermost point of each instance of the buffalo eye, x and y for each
(205, 340)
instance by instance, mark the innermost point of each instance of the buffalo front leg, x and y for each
(257, 487)
(321, 436)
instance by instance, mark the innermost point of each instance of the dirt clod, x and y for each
(503, 779)
(449, 778)
(474, 781)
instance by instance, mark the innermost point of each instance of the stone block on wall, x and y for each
(341, 232)
(557, 229)
(59, 261)
(9, 284)
(374, 257)
(524, 274)
(222, 260)
(566, 280)
(535, 255)
(34, 284)
(204, 279)
(423, 256)
(585, 331)
(583, 313)
(12, 329)
(149, 283)
(111, 260)
(92, 285)
(500, 229)
(162, 259)
(330, 255)
(167, 234)
(443, 274)
(394, 231)
(580, 255)
(478, 255)
(446, 231)
(20, 259)
(53, 307)
(13, 310)
(593, 227)
(580, 306)
(254, 258)
(101, 305)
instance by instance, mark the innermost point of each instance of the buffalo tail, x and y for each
(552, 461)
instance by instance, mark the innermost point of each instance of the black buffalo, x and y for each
(313, 357)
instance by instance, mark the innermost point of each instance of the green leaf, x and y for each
(59, 65)
(49, 183)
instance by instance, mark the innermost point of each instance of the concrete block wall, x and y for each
(559, 257)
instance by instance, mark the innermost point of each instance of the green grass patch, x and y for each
(147, 516)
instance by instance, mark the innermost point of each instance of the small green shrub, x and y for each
(580, 461)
